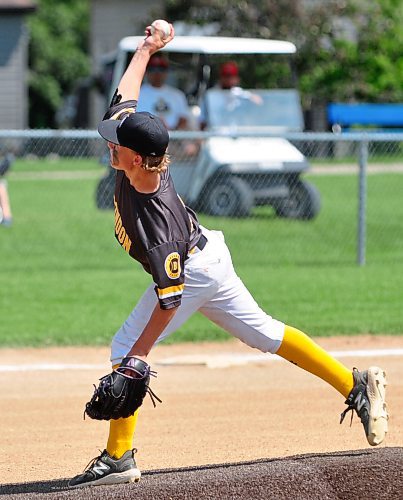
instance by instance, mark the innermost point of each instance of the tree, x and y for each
(361, 59)
(347, 49)
(57, 56)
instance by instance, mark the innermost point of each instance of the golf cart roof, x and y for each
(216, 45)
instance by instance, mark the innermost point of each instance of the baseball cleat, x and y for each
(108, 470)
(367, 398)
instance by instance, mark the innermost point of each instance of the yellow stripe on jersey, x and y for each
(170, 291)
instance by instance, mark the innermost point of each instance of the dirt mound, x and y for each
(369, 474)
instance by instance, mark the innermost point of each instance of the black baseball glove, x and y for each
(120, 393)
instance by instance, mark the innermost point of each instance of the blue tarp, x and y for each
(386, 115)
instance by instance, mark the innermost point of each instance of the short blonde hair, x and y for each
(156, 164)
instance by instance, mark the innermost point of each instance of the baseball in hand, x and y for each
(162, 26)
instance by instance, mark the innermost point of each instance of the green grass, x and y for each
(55, 164)
(79, 164)
(65, 281)
(353, 160)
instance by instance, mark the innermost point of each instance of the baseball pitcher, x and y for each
(190, 270)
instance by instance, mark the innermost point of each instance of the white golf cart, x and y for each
(235, 168)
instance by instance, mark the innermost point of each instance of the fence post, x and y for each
(362, 203)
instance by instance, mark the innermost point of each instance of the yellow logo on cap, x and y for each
(119, 114)
(173, 265)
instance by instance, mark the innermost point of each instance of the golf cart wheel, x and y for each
(227, 197)
(105, 191)
(302, 203)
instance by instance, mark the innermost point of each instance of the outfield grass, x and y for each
(65, 281)
(55, 164)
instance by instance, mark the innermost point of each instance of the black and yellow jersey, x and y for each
(155, 229)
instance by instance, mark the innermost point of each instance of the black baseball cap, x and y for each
(142, 132)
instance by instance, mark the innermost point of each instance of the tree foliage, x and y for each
(57, 55)
(347, 49)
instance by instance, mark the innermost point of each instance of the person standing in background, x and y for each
(5, 208)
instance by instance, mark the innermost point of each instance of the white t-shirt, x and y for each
(166, 102)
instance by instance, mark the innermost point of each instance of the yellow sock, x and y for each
(302, 351)
(121, 433)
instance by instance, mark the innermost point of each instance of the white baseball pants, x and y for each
(213, 288)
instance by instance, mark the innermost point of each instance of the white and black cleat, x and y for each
(108, 470)
(367, 398)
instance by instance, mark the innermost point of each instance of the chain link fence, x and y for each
(303, 196)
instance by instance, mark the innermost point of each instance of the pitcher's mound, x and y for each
(370, 474)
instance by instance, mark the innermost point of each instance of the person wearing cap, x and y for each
(229, 79)
(229, 75)
(191, 270)
(161, 99)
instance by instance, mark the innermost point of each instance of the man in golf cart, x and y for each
(229, 79)
(161, 99)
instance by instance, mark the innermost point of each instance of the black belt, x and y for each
(202, 242)
(199, 245)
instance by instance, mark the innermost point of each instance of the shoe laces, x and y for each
(351, 406)
(95, 459)
(344, 413)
